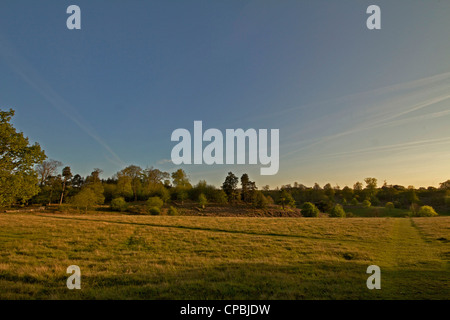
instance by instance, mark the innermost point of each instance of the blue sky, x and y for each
(349, 102)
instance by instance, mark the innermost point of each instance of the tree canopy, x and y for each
(18, 179)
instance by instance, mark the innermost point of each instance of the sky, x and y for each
(349, 102)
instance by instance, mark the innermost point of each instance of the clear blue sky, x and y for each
(350, 103)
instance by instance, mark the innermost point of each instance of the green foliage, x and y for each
(154, 202)
(230, 187)
(286, 199)
(390, 206)
(426, 211)
(354, 202)
(119, 204)
(180, 179)
(154, 211)
(260, 200)
(87, 198)
(202, 201)
(337, 211)
(172, 211)
(309, 210)
(18, 179)
(366, 204)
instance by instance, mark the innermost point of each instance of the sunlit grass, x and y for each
(162, 257)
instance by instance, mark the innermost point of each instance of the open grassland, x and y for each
(180, 257)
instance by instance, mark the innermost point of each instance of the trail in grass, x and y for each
(408, 262)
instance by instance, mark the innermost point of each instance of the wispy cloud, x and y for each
(30, 75)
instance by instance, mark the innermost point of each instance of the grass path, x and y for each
(408, 260)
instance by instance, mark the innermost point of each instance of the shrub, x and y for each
(366, 204)
(426, 211)
(337, 211)
(155, 202)
(202, 201)
(260, 200)
(390, 206)
(354, 202)
(154, 211)
(119, 204)
(309, 210)
(172, 211)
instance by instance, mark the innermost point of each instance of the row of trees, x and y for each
(26, 177)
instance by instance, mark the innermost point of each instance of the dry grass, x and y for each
(161, 257)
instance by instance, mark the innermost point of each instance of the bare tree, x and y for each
(47, 169)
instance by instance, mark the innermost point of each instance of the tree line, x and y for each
(27, 177)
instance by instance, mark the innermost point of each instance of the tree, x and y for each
(132, 175)
(18, 179)
(230, 186)
(371, 188)
(329, 191)
(248, 189)
(47, 169)
(86, 199)
(260, 200)
(445, 185)
(286, 199)
(337, 211)
(67, 174)
(180, 179)
(309, 210)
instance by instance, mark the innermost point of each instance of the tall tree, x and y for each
(230, 186)
(133, 174)
(67, 174)
(18, 179)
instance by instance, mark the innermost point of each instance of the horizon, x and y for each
(349, 102)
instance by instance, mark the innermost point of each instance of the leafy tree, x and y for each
(18, 179)
(132, 175)
(337, 211)
(354, 202)
(230, 186)
(426, 211)
(260, 201)
(86, 199)
(309, 210)
(202, 201)
(180, 179)
(329, 191)
(445, 185)
(371, 187)
(286, 199)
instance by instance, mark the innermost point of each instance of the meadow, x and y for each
(187, 257)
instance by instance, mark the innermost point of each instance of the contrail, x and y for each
(31, 76)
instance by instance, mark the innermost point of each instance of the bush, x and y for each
(337, 211)
(202, 201)
(260, 200)
(354, 202)
(155, 202)
(154, 211)
(309, 210)
(426, 211)
(172, 211)
(119, 204)
(366, 204)
(390, 206)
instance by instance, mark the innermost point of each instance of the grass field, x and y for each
(180, 257)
